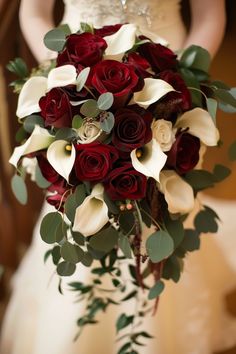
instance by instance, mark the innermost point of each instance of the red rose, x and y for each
(132, 128)
(94, 161)
(184, 153)
(115, 77)
(139, 63)
(107, 30)
(84, 49)
(58, 200)
(56, 109)
(160, 57)
(179, 85)
(125, 183)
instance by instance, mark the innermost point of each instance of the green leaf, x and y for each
(65, 269)
(71, 253)
(77, 121)
(18, 67)
(197, 58)
(105, 101)
(105, 240)
(19, 189)
(191, 81)
(107, 123)
(61, 231)
(191, 241)
(87, 260)
(226, 97)
(123, 321)
(21, 135)
(55, 40)
(126, 221)
(80, 194)
(65, 134)
(175, 229)
(90, 108)
(48, 227)
(205, 221)
(78, 238)
(227, 107)
(85, 27)
(200, 179)
(39, 179)
(232, 151)
(56, 254)
(64, 27)
(31, 121)
(82, 78)
(123, 243)
(156, 290)
(172, 269)
(159, 246)
(212, 108)
(124, 348)
(112, 207)
(220, 172)
(70, 207)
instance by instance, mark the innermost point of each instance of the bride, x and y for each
(191, 318)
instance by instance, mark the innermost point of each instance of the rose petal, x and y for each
(200, 124)
(121, 41)
(61, 160)
(92, 214)
(153, 90)
(62, 76)
(39, 139)
(152, 160)
(178, 193)
(30, 95)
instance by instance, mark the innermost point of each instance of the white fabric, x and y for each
(191, 318)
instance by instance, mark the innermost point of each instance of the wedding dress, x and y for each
(191, 318)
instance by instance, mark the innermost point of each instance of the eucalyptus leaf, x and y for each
(156, 290)
(61, 231)
(123, 321)
(78, 238)
(220, 172)
(77, 122)
(90, 108)
(126, 221)
(87, 259)
(191, 241)
(105, 240)
(80, 194)
(65, 134)
(212, 108)
(56, 254)
(48, 227)
(55, 40)
(108, 122)
(172, 269)
(197, 58)
(228, 107)
(71, 252)
(70, 207)
(39, 179)
(175, 230)
(123, 243)
(200, 179)
(82, 78)
(226, 97)
(205, 222)
(85, 27)
(21, 135)
(64, 27)
(192, 82)
(18, 67)
(105, 101)
(31, 121)
(232, 151)
(19, 189)
(66, 269)
(159, 246)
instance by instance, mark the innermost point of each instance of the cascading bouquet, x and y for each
(115, 129)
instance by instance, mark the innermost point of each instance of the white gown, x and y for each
(191, 318)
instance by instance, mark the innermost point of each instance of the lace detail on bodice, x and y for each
(151, 15)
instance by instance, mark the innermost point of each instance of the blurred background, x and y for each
(17, 221)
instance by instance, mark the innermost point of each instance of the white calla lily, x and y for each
(200, 124)
(178, 193)
(62, 76)
(153, 90)
(151, 161)
(92, 214)
(30, 95)
(61, 155)
(39, 139)
(121, 41)
(153, 36)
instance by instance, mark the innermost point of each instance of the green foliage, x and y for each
(175, 229)
(126, 222)
(18, 67)
(31, 121)
(105, 101)
(123, 321)
(19, 189)
(49, 225)
(232, 151)
(85, 27)
(39, 179)
(77, 122)
(82, 78)
(199, 179)
(124, 245)
(67, 134)
(171, 269)
(156, 290)
(21, 135)
(191, 241)
(56, 254)
(107, 123)
(90, 108)
(226, 107)
(66, 269)
(220, 172)
(55, 39)
(159, 246)
(105, 240)
(205, 221)
(196, 57)
(71, 252)
(192, 82)
(212, 107)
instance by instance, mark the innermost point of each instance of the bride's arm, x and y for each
(207, 24)
(36, 19)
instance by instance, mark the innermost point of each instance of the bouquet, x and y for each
(114, 130)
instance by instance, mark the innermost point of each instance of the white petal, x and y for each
(39, 139)
(30, 95)
(62, 76)
(200, 124)
(121, 41)
(153, 90)
(92, 214)
(153, 36)
(178, 193)
(152, 160)
(61, 160)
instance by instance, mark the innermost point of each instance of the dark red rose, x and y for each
(107, 30)
(56, 109)
(58, 199)
(125, 183)
(84, 49)
(139, 63)
(115, 77)
(179, 85)
(132, 128)
(184, 153)
(160, 57)
(94, 161)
